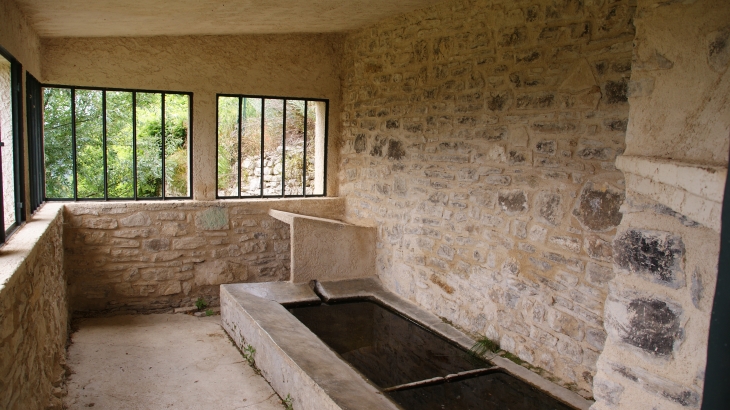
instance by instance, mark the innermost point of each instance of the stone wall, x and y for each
(146, 256)
(33, 313)
(6, 135)
(666, 250)
(480, 138)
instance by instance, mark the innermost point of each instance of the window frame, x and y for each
(134, 92)
(16, 98)
(283, 186)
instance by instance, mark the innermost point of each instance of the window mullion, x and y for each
(134, 144)
(263, 119)
(304, 153)
(73, 141)
(162, 136)
(283, 150)
(240, 114)
(103, 145)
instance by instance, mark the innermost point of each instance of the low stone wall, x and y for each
(33, 313)
(146, 256)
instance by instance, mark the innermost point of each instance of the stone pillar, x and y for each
(657, 311)
(319, 147)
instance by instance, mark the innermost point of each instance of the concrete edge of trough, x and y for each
(292, 358)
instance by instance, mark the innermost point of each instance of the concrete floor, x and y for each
(165, 361)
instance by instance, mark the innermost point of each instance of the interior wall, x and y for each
(276, 65)
(480, 138)
(667, 247)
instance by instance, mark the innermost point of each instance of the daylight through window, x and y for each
(116, 144)
(271, 147)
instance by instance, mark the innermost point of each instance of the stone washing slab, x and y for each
(284, 293)
(328, 249)
(372, 289)
(295, 361)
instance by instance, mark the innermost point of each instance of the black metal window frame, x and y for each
(36, 170)
(16, 84)
(261, 159)
(134, 92)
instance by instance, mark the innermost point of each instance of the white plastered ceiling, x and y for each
(108, 18)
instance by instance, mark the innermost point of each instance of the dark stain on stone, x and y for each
(601, 67)
(621, 66)
(546, 147)
(718, 51)
(654, 326)
(531, 14)
(515, 79)
(392, 124)
(616, 124)
(513, 37)
(396, 150)
(528, 58)
(595, 153)
(442, 284)
(552, 127)
(513, 202)
(516, 157)
(598, 209)
(497, 102)
(360, 143)
(617, 91)
(378, 144)
(657, 255)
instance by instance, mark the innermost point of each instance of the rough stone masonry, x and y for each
(480, 139)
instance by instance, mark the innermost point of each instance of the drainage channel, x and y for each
(414, 367)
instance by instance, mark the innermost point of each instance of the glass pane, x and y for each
(119, 144)
(273, 133)
(251, 147)
(227, 146)
(294, 147)
(89, 143)
(177, 120)
(57, 147)
(311, 121)
(6, 135)
(149, 145)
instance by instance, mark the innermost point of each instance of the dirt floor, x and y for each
(164, 361)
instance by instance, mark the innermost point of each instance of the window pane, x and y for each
(119, 144)
(273, 133)
(57, 142)
(6, 135)
(89, 144)
(294, 147)
(251, 147)
(177, 120)
(227, 146)
(149, 145)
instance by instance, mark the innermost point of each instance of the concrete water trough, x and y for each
(314, 371)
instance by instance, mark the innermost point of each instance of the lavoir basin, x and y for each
(354, 345)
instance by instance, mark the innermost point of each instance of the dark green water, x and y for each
(390, 350)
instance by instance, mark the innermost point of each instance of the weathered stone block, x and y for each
(658, 385)
(548, 208)
(650, 324)
(607, 391)
(156, 245)
(189, 243)
(212, 219)
(137, 219)
(513, 202)
(598, 207)
(598, 274)
(654, 255)
(565, 324)
(100, 223)
(598, 248)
